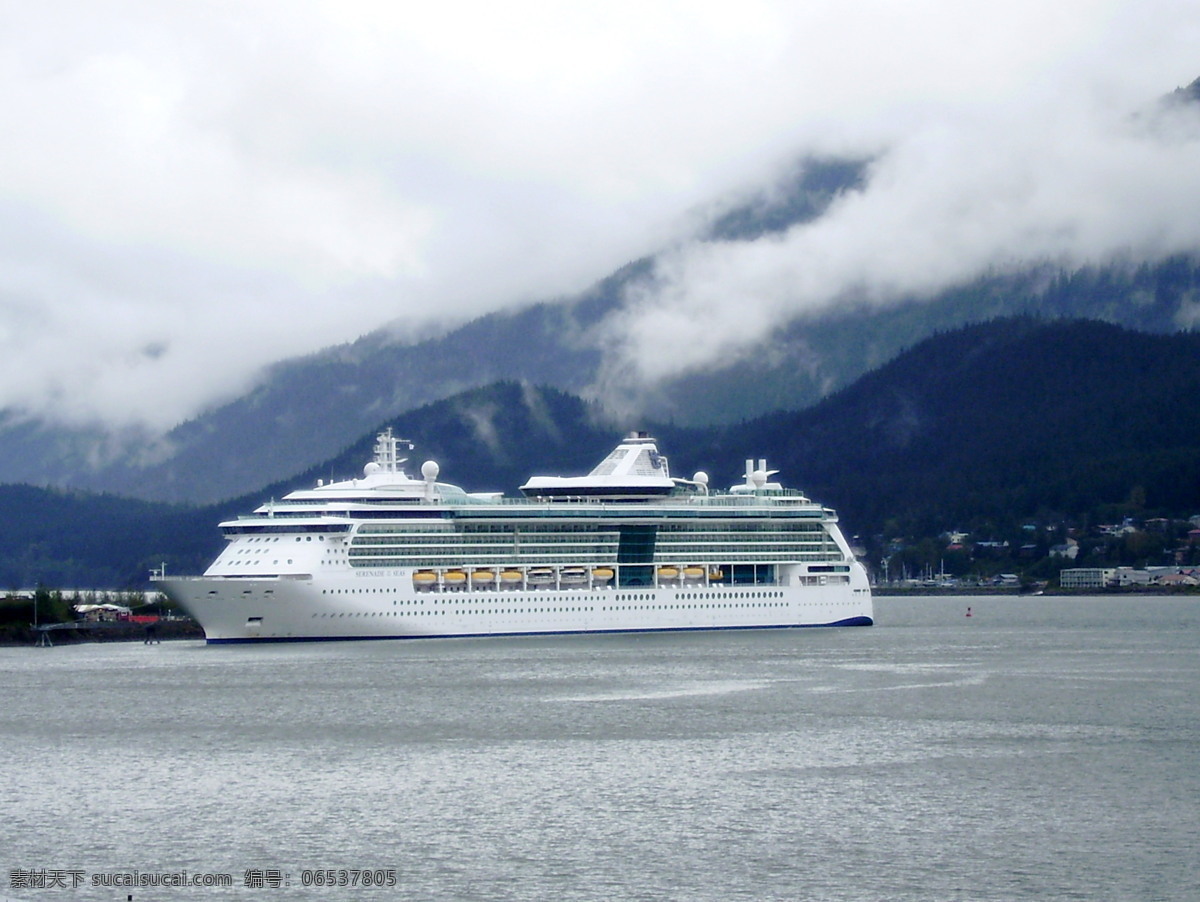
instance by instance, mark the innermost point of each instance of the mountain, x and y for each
(75, 540)
(554, 345)
(486, 438)
(982, 427)
(1017, 418)
(305, 409)
(302, 409)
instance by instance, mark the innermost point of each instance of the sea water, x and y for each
(1042, 748)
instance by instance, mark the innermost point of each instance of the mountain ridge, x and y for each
(297, 412)
(980, 428)
(300, 416)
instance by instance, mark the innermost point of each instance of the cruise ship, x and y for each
(626, 548)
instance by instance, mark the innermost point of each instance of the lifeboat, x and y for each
(716, 576)
(667, 574)
(454, 578)
(602, 575)
(510, 578)
(424, 580)
(540, 576)
(693, 574)
(573, 576)
(483, 578)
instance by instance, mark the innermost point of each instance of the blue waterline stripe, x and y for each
(850, 621)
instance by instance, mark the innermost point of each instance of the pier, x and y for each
(116, 631)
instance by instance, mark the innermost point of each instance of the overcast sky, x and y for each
(189, 191)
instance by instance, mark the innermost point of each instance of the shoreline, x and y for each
(111, 631)
(189, 630)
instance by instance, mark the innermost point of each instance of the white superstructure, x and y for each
(626, 548)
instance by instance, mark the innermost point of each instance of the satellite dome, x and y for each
(430, 469)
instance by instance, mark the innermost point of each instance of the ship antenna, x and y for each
(387, 453)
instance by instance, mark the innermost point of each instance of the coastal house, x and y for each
(1069, 550)
(1126, 577)
(106, 611)
(1086, 577)
(1180, 579)
(991, 549)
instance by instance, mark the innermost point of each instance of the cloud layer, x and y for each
(945, 203)
(188, 192)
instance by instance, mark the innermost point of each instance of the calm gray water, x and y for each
(1041, 749)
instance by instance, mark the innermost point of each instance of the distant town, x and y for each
(1152, 554)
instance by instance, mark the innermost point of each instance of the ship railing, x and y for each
(794, 504)
(718, 499)
(676, 497)
(740, 504)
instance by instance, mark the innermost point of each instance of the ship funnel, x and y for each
(756, 477)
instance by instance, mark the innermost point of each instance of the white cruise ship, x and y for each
(626, 548)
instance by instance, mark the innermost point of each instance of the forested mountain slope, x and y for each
(977, 428)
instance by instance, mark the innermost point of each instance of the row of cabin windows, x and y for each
(524, 540)
(529, 529)
(565, 610)
(280, 538)
(583, 550)
(463, 599)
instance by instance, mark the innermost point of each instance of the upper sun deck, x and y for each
(632, 482)
(633, 470)
(384, 479)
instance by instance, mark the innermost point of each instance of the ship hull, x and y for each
(246, 610)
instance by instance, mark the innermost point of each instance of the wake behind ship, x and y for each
(626, 548)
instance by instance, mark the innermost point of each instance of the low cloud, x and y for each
(188, 193)
(984, 190)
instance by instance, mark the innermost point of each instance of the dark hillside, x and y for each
(487, 439)
(1002, 420)
(74, 540)
(987, 425)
